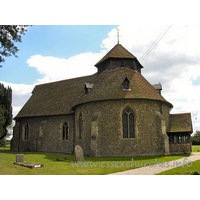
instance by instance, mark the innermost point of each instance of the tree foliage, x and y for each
(5, 109)
(196, 138)
(9, 34)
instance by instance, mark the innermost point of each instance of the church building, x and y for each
(114, 112)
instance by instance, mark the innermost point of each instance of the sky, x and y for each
(56, 52)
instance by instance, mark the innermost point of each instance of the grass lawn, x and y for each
(195, 148)
(185, 170)
(53, 167)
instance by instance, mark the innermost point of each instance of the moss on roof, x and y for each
(118, 51)
(60, 97)
(55, 98)
(108, 85)
(180, 123)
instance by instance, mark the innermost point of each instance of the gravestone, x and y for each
(79, 154)
(20, 158)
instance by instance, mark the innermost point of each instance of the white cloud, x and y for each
(174, 62)
(57, 69)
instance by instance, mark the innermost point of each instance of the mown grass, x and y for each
(183, 170)
(53, 167)
(196, 148)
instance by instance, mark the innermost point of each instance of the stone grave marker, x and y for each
(79, 154)
(19, 157)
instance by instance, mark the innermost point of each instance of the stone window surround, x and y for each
(63, 126)
(77, 115)
(61, 129)
(135, 121)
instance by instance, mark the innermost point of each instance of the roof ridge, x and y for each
(66, 80)
(180, 113)
(118, 51)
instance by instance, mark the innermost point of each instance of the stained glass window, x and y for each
(128, 123)
(125, 125)
(131, 125)
(65, 131)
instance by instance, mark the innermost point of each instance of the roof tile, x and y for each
(60, 97)
(180, 123)
(118, 51)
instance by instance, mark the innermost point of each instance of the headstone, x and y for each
(20, 158)
(79, 154)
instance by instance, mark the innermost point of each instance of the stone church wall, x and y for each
(148, 141)
(102, 130)
(180, 148)
(45, 134)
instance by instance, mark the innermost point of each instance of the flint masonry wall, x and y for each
(148, 141)
(45, 134)
(180, 148)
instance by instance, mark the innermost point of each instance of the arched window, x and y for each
(80, 126)
(128, 123)
(65, 131)
(26, 132)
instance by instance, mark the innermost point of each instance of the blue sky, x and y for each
(174, 62)
(51, 53)
(57, 41)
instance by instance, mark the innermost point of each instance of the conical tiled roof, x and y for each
(60, 97)
(118, 51)
(108, 86)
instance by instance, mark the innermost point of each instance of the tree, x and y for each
(196, 138)
(8, 35)
(2, 118)
(5, 109)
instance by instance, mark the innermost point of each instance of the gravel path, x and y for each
(152, 170)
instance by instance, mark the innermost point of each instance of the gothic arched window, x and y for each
(65, 131)
(128, 123)
(80, 126)
(26, 132)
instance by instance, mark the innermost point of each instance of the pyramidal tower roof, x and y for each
(118, 51)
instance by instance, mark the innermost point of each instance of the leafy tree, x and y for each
(8, 35)
(2, 123)
(2, 118)
(5, 109)
(196, 138)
